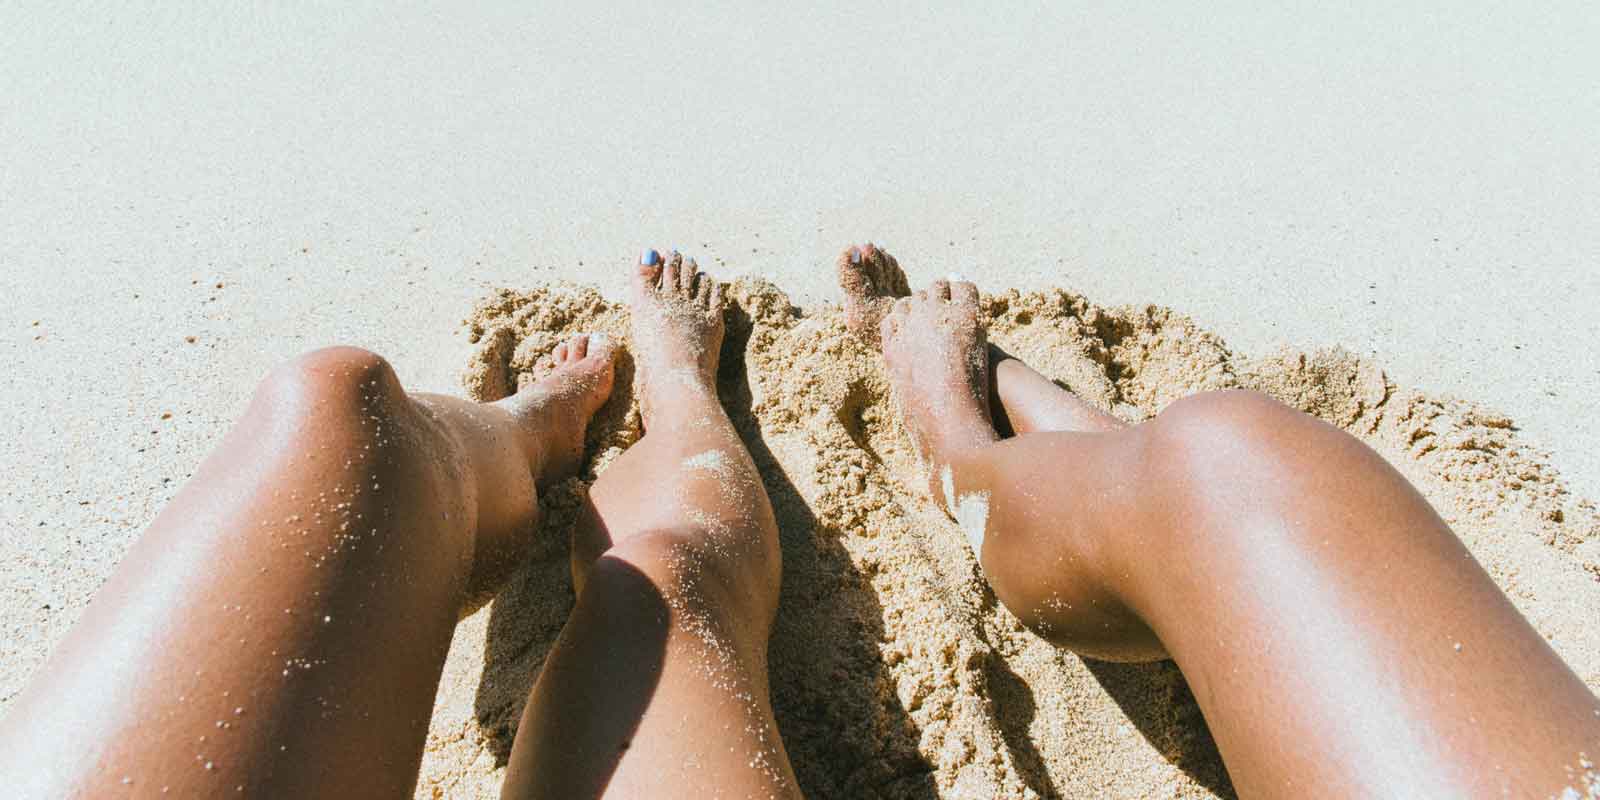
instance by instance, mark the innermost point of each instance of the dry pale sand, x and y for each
(894, 671)
(187, 199)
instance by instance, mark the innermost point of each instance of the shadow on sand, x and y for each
(1157, 700)
(847, 734)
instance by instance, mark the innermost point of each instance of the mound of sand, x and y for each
(895, 673)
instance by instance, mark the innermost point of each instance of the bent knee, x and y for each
(1233, 410)
(1244, 445)
(695, 573)
(332, 380)
(1240, 435)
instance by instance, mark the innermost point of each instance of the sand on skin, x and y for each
(894, 671)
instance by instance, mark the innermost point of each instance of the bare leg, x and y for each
(1339, 638)
(280, 628)
(1028, 402)
(658, 686)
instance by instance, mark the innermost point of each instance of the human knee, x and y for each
(694, 573)
(1237, 434)
(1244, 445)
(333, 380)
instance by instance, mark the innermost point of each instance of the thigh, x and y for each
(1335, 632)
(280, 628)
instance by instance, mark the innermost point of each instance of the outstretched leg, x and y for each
(658, 685)
(280, 628)
(1308, 593)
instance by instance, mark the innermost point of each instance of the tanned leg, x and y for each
(1339, 638)
(1028, 402)
(280, 628)
(658, 684)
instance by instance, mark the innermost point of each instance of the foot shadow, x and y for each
(846, 731)
(528, 614)
(1015, 709)
(1156, 699)
(524, 623)
(629, 668)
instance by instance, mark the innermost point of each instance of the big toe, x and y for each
(884, 271)
(584, 369)
(871, 280)
(647, 274)
(599, 347)
(963, 291)
(851, 277)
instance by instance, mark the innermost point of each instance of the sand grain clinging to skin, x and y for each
(712, 460)
(972, 516)
(894, 671)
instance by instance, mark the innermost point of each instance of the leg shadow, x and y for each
(847, 734)
(845, 729)
(612, 652)
(1013, 700)
(529, 613)
(1157, 700)
(524, 624)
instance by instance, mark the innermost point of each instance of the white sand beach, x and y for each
(187, 198)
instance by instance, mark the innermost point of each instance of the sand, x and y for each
(895, 673)
(254, 183)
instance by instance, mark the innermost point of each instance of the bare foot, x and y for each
(554, 412)
(677, 331)
(938, 362)
(872, 281)
(1021, 400)
(547, 420)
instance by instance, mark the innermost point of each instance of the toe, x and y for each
(939, 290)
(559, 355)
(964, 292)
(894, 278)
(601, 346)
(691, 273)
(872, 260)
(578, 348)
(671, 274)
(702, 295)
(853, 278)
(867, 270)
(649, 270)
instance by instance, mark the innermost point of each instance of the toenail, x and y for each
(855, 255)
(649, 258)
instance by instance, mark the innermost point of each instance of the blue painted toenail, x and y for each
(855, 255)
(649, 258)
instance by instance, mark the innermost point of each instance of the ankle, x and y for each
(957, 442)
(679, 396)
(950, 469)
